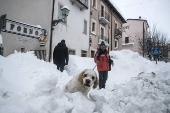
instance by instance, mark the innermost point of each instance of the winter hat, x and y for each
(63, 41)
(102, 43)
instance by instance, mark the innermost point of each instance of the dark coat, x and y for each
(60, 54)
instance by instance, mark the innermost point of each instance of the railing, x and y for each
(105, 15)
(118, 32)
(104, 38)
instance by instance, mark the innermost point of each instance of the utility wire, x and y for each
(135, 4)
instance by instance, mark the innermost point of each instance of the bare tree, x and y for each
(154, 38)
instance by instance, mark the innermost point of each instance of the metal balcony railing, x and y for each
(118, 34)
(104, 18)
(104, 38)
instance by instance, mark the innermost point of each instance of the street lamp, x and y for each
(65, 11)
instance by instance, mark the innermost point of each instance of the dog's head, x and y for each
(88, 78)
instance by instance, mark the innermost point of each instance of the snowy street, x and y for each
(134, 85)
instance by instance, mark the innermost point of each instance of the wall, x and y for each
(134, 32)
(72, 32)
(109, 29)
(34, 12)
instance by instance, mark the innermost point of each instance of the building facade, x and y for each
(105, 24)
(87, 22)
(27, 13)
(74, 29)
(134, 30)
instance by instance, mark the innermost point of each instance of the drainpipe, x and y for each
(51, 31)
(143, 38)
(111, 33)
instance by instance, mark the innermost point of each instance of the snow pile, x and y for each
(134, 85)
(145, 93)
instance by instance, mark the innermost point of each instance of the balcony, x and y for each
(105, 41)
(104, 38)
(82, 4)
(118, 34)
(104, 18)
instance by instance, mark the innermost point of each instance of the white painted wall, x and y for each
(72, 32)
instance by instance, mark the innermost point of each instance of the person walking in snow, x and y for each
(102, 60)
(60, 55)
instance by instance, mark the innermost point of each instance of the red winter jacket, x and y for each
(103, 58)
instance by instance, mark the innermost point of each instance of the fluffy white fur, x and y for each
(82, 82)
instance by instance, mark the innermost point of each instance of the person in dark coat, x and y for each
(103, 62)
(60, 55)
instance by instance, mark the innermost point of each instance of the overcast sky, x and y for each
(155, 11)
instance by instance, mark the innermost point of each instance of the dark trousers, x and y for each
(60, 67)
(102, 78)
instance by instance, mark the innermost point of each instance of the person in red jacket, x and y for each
(102, 59)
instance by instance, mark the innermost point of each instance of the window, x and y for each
(85, 27)
(72, 52)
(60, 14)
(102, 32)
(83, 53)
(92, 53)
(102, 11)
(94, 4)
(1, 50)
(116, 26)
(126, 39)
(116, 44)
(93, 26)
(90, 40)
(22, 49)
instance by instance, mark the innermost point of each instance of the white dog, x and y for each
(82, 82)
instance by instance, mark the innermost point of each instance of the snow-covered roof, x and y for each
(104, 19)
(117, 10)
(1, 39)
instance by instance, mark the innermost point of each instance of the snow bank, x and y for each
(134, 85)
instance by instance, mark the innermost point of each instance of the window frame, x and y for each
(72, 50)
(95, 26)
(116, 43)
(94, 6)
(85, 27)
(126, 39)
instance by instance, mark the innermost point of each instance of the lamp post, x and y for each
(65, 11)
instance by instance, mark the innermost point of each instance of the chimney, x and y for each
(139, 17)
